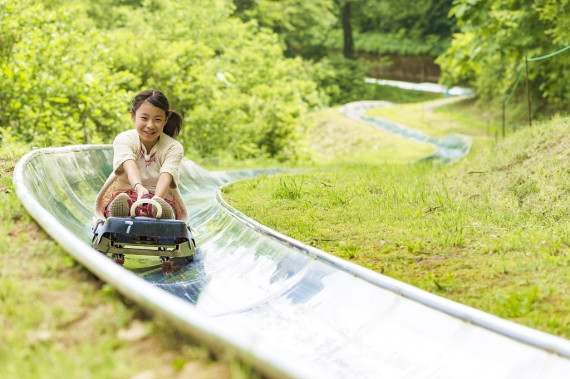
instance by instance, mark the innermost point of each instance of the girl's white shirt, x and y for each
(149, 170)
(127, 145)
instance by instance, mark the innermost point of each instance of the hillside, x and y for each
(491, 231)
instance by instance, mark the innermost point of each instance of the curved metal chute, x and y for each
(287, 308)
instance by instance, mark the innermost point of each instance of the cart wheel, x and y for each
(118, 258)
(166, 261)
(190, 258)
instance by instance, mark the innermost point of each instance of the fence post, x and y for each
(527, 91)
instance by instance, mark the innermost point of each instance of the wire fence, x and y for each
(524, 69)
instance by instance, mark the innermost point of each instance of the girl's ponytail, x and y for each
(173, 123)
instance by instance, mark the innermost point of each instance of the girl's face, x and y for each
(149, 122)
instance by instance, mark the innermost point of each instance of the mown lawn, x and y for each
(490, 231)
(335, 140)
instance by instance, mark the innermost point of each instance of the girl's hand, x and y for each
(141, 191)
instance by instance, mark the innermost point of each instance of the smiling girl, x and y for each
(145, 162)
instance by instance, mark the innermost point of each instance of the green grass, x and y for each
(322, 140)
(491, 231)
(59, 321)
(337, 139)
(466, 118)
(399, 95)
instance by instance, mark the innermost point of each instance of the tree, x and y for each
(65, 80)
(62, 90)
(312, 29)
(346, 21)
(414, 19)
(495, 37)
(302, 26)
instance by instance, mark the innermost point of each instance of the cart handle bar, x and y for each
(146, 201)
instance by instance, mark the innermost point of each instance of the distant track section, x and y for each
(285, 307)
(425, 87)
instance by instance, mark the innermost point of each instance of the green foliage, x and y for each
(402, 27)
(57, 86)
(390, 43)
(302, 26)
(413, 20)
(240, 97)
(431, 45)
(343, 80)
(496, 36)
(313, 29)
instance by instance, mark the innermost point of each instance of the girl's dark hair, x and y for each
(158, 99)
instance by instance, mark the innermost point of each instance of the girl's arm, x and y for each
(134, 176)
(163, 184)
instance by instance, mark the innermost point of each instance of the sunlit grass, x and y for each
(332, 136)
(490, 231)
(439, 121)
(336, 139)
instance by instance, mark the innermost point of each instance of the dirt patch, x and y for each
(31, 229)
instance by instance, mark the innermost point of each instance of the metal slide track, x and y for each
(287, 308)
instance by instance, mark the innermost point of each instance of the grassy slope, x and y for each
(491, 231)
(58, 320)
(340, 140)
(439, 121)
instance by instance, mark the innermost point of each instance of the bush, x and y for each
(229, 79)
(57, 87)
(495, 36)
